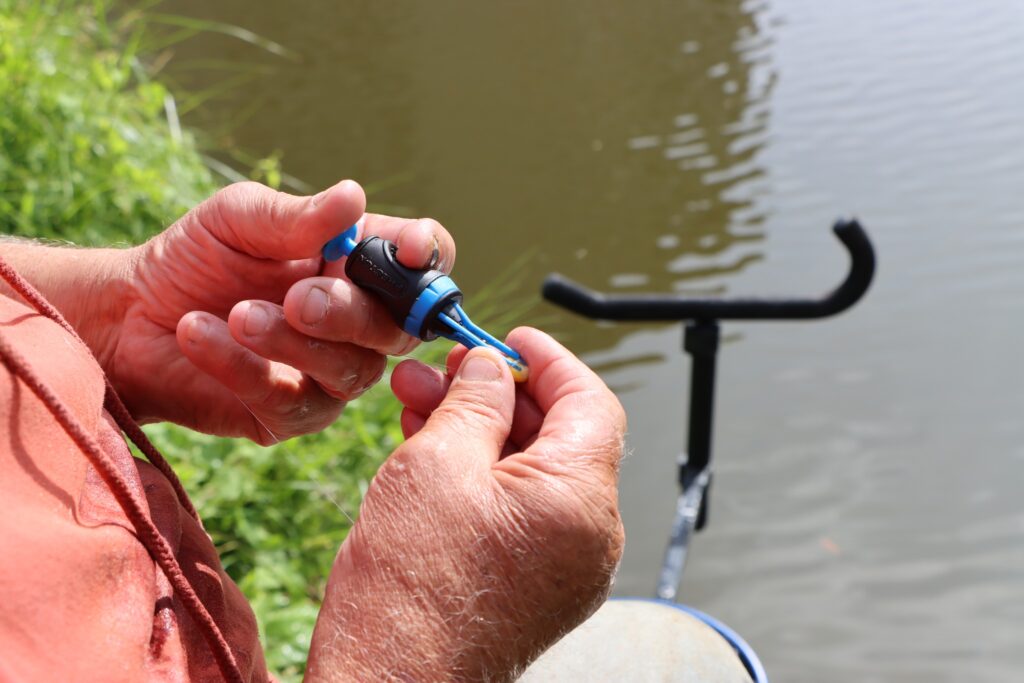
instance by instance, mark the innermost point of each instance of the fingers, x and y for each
(265, 223)
(417, 240)
(420, 388)
(455, 357)
(335, 310)
(412, 422)
(418, 244)
(422, 243)
(528, 420)
(473, 421)
(528, 416)
(277, 392)
(342, 370)
(582, 418)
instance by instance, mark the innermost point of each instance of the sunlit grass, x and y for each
(86, 150)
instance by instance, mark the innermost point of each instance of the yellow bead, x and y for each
(520, 371)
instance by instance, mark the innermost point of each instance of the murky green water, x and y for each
(867, 519)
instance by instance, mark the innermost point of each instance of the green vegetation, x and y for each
(87, 153)
(91, 152)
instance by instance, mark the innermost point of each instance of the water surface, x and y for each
(867, 519)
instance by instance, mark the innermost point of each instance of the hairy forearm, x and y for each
(90, 287)
(386, 621)
(371, 628)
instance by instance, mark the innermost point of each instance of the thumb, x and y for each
(475, 417)
(265, 223)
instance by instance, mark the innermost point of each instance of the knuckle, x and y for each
(367, 320)
(351, 382)
(609, 431)
(274, 205)
(618, 418)
(241, 190)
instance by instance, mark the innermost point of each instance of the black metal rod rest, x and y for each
(701, 340)
(660, 307)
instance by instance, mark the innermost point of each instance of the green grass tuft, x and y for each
(90, 151)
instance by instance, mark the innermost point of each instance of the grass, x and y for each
(92, 152)
(87, 152)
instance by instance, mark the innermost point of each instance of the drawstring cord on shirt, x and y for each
(157, 546)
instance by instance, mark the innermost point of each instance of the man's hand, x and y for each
(224, 322)
(487, 535)
(232, 328)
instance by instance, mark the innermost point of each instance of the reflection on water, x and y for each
(866, 520)
(601, 141)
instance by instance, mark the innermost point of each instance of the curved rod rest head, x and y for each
(661, 307)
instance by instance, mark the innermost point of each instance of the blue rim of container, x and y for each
(750, 660)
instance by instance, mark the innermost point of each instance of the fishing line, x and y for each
(256, 417)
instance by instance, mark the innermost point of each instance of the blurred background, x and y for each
(867, 522)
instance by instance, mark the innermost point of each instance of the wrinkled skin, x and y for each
(490, 533)
(214, 336)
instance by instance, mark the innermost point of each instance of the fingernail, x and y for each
(256, 320)
(480, 368)
(197, 330)
(314, 308)
(435, 255)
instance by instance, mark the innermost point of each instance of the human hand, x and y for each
(490, 533)
(220, 333)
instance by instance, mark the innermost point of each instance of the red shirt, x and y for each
(81, 599)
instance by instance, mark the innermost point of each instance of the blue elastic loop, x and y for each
(464, 333)
(342, 245)
(488, 339)
(458, 333)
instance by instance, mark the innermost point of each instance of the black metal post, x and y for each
(700, 340)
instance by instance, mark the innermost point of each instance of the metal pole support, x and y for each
(700, 340)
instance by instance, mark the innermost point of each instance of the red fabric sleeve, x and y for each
(80, 598)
